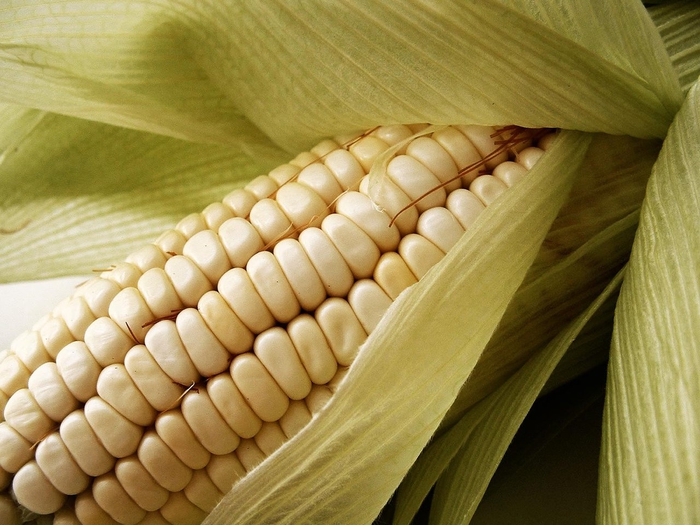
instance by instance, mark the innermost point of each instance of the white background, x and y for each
(22, 304)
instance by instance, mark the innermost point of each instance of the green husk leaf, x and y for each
(122, 63)
(346, 463)
(650, 460)
(206, 70)
(78, 195)
(549, 475)
(679, 26)
(474, 445)
(587, 245)
(461, 487)
(447, 62)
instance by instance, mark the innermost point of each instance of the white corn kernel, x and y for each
(162, 463)
(302, 206)
(360, 210)
(147, 257)
(345, 168)
(369, 302)
(319, 179)
(295, 418)
(488, 188)
(342, 329)
(225, 471)
(206, 251)
(15, 450)
(51, 393)
(181, 511)
(84, 445)
(529, 157)
(393, 134)
(207, 424)
(270, 283)
(111, 496)
(139, 484)
(241, 241)
(433, 156)
(4, 398)
(300, 273)
(465, 206)
(239, 293)
(65, 516)
(59, 467)
(158, 293)
(171, 242)
(176, 433)
(270, 438)
(107, 343)
(393, 275)
(123, 274)
(462, 151)
(26, 417)
(156, 386)
(249, 454)
(258, 387)
(318, 398)
(79, 370)
(393, 202)
(206, 352)
(55, 335)
(224, 324)
(202, 492)
(420, 254)
(324, 147)
(9, 512)
(330, 266)
(5, 479)
(416, 181)
(88, 511)
(190, 225)
(34, 492)
(129, 312)
(355, 246)
(231, 404)
(98, 293)
(283, 173)
(276, 352)
(313, 349)
(367, 149)
(303, 159)
(77, 316)
(485, 140)
(509, 172)
(270, 222)
(164, 344)
(215, 215)
(240, 202)
(119, 436)
(262, 187)
(188, 280)
(30, 350)
(13, 375)
(440, 227)
(546, 142)
(116, 387)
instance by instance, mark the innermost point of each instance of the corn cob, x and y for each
(146, 395)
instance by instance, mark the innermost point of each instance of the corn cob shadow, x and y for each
(146, 395)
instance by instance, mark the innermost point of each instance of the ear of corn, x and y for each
(218, 342)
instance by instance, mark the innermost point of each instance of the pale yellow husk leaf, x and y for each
(650, 461)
